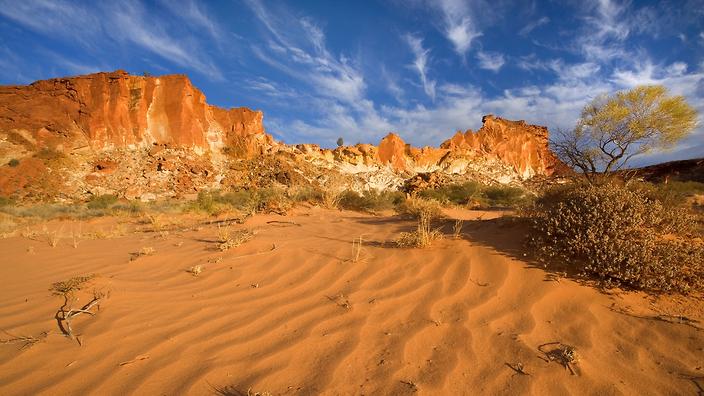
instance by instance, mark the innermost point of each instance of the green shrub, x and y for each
(14, 162)
(267, 200)
(370, 201)
(504, 196)
(459, 194)
(475, 193)
(101, 201)
(672, 193)
(6, 201)
(49, 154)
(620, 235)
(306, 194)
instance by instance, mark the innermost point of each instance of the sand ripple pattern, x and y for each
(306, 319)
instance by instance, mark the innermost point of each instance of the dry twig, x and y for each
(563, 354)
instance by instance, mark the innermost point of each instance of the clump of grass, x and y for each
(671, 193)
(53, 237)
(418, 207)
(457, 229)
(76, 237)
(144, 251)
(356, 249)
(70, 286)
(13, 162)
(230, 239)
(308, 194)
(101, 201)
(423, 236)
(195, 270)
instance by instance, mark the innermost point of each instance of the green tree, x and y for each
(340, 142)
(613, 129)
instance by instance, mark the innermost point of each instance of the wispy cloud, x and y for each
(302, 53)
(125, 23)
(490, 60)
(533, 25)
(420, 63)
(458, 24)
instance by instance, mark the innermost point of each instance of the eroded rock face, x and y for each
(114, 110)
(137, 136)
(520, 145)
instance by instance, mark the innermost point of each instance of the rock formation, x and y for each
(143, 136)
(113, 110)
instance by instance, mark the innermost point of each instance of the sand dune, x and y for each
(306, 318)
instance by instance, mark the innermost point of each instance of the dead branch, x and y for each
(137, 359)
(563, 354)
(662, 317)
(518, 368)
(27, 341)
(273, 247)
(65, 314)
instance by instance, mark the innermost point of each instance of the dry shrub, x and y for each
(71, 285)
(418, 207)
(195, 270)
(423, 236)
(230, 239)
(620, 235)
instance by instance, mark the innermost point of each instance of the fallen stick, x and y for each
(137, 359)
(273, 247)
(63, 317)
(283, 222)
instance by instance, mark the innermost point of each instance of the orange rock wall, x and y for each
(520, 145)
(106, 110)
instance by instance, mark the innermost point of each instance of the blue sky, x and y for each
(360, 69)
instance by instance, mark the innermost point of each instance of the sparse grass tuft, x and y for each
(195, 270)
(418, 207)
(230, 239)
(101, 201)
(423, 236)
(457, 229)
(356, 249)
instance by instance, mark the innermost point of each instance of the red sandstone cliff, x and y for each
(107, 110)
(90, 116)
(521, 145)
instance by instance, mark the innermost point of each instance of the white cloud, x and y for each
(420, 63)
(677, 69)
(125, 23)
(301, 52)
(458, 25)
(490, 60)
(533, 25)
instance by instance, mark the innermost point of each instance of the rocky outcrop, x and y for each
(515, 144)
(145, 137)
(114, 110)
(522, 146)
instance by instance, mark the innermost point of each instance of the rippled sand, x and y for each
(306, 318)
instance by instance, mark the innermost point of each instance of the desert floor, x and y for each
(298, 311)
